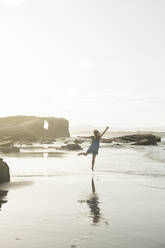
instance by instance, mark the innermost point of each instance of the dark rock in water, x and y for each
(116, 145)
(144, 142)
(47, 141)
(106, 140)
(4, 172)
(66, 142)
(31, 128)
(7, 145)
(73, 147)
(78, 141)
(139, 139)
(10, 149)
(3, 194)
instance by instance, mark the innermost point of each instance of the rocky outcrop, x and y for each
(47, 141)
(147, 141)
(4, 172)
(3, 194)
(31, 128)
(10, 149)
(106, 140)
(135, 139)
(73, 147)
(7, 146)
(78, 141)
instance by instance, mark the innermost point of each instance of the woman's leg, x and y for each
(93, 161)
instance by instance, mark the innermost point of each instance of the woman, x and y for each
(94, 147)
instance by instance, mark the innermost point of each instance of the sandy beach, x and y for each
(58, 202)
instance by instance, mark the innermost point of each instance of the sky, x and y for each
(93, 62)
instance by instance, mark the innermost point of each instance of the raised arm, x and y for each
(104, 132)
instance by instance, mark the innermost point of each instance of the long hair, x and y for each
(96, 135)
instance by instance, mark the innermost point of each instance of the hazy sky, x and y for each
(97, 62)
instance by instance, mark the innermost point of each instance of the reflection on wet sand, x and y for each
(3, 194)
(93, 203)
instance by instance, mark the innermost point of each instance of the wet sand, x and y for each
(58, 202)
(82, 211)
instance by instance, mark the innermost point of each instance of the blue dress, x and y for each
(94, 147)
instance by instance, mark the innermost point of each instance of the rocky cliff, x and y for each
(32, 127)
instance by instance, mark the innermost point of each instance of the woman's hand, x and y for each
(104, 131)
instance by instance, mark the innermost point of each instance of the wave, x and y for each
(155, 187)
(134, 173)
(156, 154)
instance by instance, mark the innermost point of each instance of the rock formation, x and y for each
(7, 146)
(10, 149)
(31, 128)
(73, 147)
(3, 194)
(78, 141)
(135, 139)
(4, 172)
